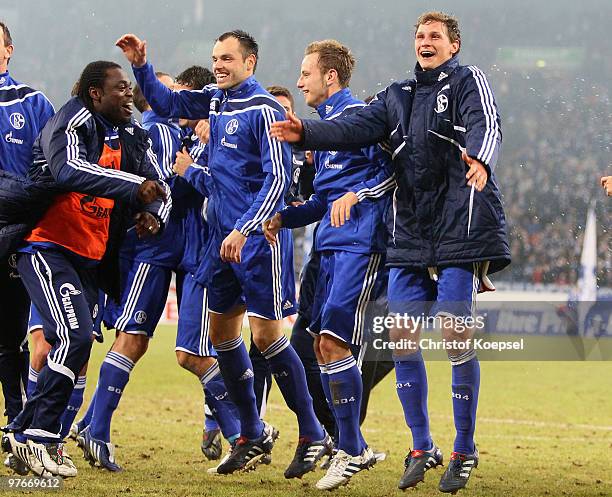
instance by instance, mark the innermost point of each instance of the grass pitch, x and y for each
(544, 429)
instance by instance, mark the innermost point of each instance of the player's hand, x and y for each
(291, 130)
(146, 224)
(231, 248)
(477, 173)
(271, 227)
(182, 163)
(606, 182)
(134, 49)
(202, 130)
(341, 209)
(149, 191)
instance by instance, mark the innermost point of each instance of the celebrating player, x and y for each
(250, 175)
(92, 147)
(23, 113)
(349, 198)
(447, 226)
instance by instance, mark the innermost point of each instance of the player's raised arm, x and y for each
(134, 49)
(188, 104)
(291, 130)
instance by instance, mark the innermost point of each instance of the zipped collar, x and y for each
(5, 79)
(335, 103)
(441, 72)
(243, 89)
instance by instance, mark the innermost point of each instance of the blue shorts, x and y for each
(346, 283)
(264, 280)
(35, 319)
(414, 292)
(193, 323)
(143, 298)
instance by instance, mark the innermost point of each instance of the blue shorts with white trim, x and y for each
(347, 282)
(415, 291)
(193, 334)
(143, 298)
(264, 280)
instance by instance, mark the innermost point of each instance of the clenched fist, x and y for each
(149, 191)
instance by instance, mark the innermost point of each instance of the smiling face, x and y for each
(312, 82)
(229, 64)
(114, 100)
(433, 46)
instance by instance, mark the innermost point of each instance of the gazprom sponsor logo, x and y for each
(9, 139)
(66, 291)
(227, 144)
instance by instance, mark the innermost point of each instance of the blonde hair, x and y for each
(333, 55)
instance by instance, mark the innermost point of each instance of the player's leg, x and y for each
(457, 290)
(40, 350)
(262, 381)
(352, 279)
(195, 353)
(226, 306)
(269, 285)
(14, 353)
(135, 318)
(303, 343)
(411, 292)
(13, 347)
(65, 296)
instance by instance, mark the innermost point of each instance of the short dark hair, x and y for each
(281, 91)
(196, 77)
(247, 43)
(7, 34)
(333, 55)
(451, 23)
(93, 76)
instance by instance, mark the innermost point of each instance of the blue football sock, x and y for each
(290, 376)
(114, 376)
(32, 379)
(223, 409)
(210, 423)
(237, 372)
(465, 387)
(326, 391)
(411, 387)
(346, 388)
(74, 404)
(85, 420)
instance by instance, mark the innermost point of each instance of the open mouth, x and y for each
(427, 54)
(127, 108)
(221, 76)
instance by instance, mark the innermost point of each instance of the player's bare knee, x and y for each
(316, 345)
(333, 349)
(406, 341)
(265, 331)
(131, 345)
